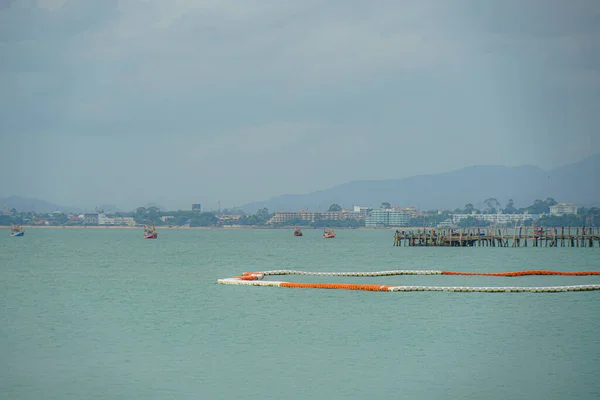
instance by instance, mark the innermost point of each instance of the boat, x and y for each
(150, 232)
(297, 232)
(328, 233)
(16, 230)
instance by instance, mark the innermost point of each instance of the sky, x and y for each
(199, 101)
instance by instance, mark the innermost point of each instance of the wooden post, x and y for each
(570, 238)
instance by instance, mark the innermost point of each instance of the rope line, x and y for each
(256, 279)
(524, 273)
(384, 288)
(249, 275)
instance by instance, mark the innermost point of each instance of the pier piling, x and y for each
(586, 237)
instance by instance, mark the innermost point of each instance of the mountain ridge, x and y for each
(574, 183)
(28, 204)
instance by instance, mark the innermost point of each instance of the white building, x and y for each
(364, 211)
(387, 218)
(103, 219)
(447, 223)
(563, 208)
(499, 218)
(412, 211)
(124, 221)
(285, 216)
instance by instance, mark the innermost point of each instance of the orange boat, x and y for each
(328, 233)
(16, 231)
(150, 232)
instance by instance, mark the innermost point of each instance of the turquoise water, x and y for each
(102, 313)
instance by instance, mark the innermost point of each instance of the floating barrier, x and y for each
(256, 279)
(524, 273)
(377, 273)
(420, 272)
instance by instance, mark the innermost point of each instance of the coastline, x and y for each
(231, 227)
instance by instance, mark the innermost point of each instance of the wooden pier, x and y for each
(501, 237)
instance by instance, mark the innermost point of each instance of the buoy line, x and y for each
(423, 272)
(256, 279)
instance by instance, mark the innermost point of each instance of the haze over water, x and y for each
(102, 313)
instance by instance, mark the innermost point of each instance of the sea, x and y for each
(105, 314)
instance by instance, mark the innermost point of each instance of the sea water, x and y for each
(103, 313)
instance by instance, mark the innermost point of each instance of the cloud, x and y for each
(282, 81)
(146, 65)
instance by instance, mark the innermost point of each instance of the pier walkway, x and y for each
(501, 237)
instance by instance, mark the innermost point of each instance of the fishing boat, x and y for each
(150, 232)
(297, 232)
(16, 230)
(328, 233)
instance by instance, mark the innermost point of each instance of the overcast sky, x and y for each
(180, 101)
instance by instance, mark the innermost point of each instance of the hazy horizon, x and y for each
(199, 101)
(347, 202)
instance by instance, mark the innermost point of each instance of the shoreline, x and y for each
(234, 227)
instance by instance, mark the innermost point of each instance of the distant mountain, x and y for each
(161, 208)
(576, 183)
(24, 204)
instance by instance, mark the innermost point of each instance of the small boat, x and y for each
(328, 233)
(150, 232)
(16, 230)
(297, 232)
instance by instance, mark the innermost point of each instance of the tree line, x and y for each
(155, 216)
(492, 206)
